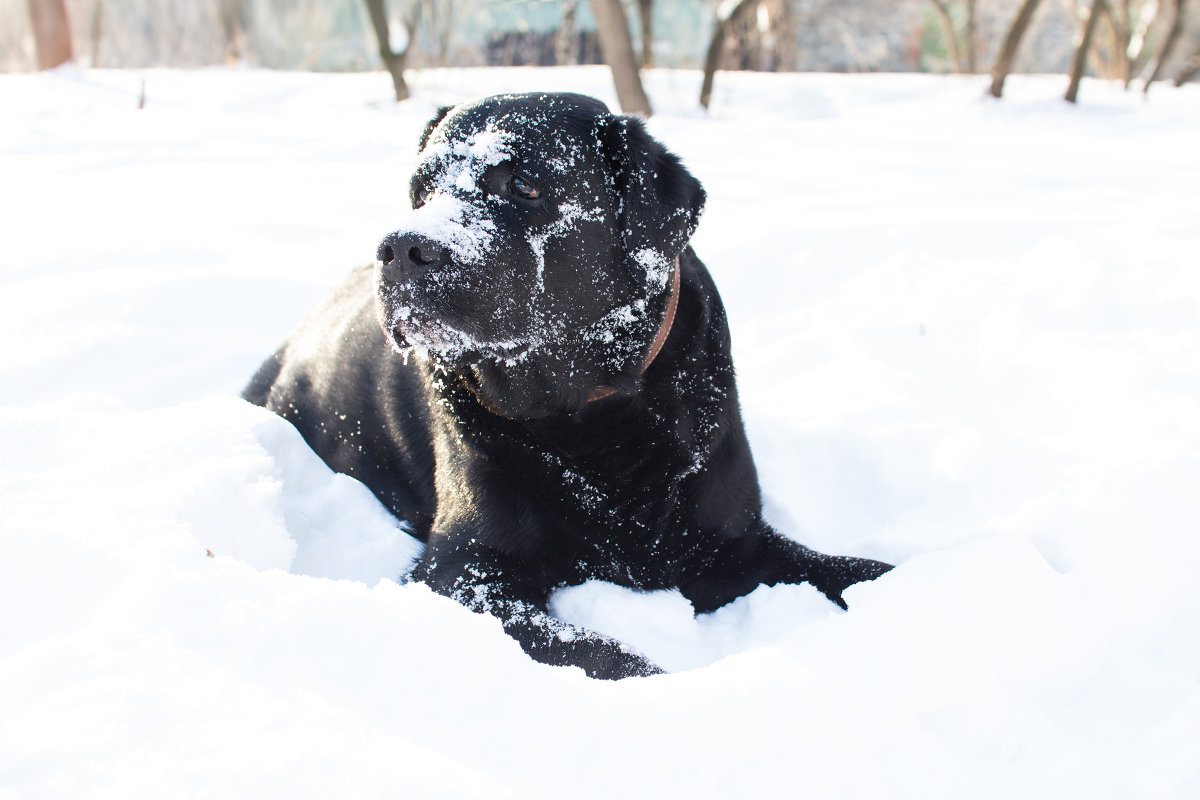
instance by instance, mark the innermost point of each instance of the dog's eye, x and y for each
(523, 188)
(424, 195)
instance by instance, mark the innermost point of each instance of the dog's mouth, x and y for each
(415, 332)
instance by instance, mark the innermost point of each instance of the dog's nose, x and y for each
(401, 254)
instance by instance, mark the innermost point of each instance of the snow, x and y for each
(459, 225)
(454, 212)
(967, 342)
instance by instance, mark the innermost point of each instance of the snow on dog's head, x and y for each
(533, 263)
(451, 207)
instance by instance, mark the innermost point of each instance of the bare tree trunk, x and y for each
(1118, 27)
(445, 28)
(1125, 40)
(566, 42)
(391, 59)
(51, 32)
(1008, 53)
(972, 39)
(1168, 45)
(1190, 69)
(232, 16)
(646, 19)
(613, 30)
(788, 41)
(1140, 59)
(97, 21)
(716, 45)
(1104, 56)
(948, 31)
(1080, 65)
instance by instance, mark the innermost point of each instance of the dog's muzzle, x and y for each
(404, 255)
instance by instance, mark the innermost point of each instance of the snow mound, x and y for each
(967, 343)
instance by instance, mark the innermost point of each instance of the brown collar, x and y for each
(660, 338)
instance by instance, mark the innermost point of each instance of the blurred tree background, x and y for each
(1129, 40)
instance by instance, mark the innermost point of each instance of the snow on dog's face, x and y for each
(535, 263)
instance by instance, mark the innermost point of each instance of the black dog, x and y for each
(536, 376)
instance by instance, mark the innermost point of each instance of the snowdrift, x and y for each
(968, 343)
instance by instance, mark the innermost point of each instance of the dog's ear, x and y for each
(433, 123)
(658, 200)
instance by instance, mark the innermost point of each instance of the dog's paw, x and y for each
(561, 644)
(834, 574)
(624, 663)
(600, 656)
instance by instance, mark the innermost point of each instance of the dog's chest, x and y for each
(612, 490)
(623, 508)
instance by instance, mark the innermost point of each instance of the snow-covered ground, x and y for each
(968, 340)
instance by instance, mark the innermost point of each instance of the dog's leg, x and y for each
(764, 557)
(487, 582)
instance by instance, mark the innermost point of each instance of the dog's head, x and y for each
(537, 260)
